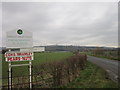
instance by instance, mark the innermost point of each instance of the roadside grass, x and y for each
(92, 77)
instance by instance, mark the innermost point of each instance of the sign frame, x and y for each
(19, 35)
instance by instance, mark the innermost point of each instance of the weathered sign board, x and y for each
(19, 39)
(18, 56)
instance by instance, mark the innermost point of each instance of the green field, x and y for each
(107, 54)
(39, 58)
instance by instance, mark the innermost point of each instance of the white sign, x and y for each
(26, 49)
(38, 49)
(19, 39)
(18, 56)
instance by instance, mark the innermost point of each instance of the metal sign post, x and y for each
(19, 39)
(30, 69)
(19, 56)
(10, 78)
(10, 73)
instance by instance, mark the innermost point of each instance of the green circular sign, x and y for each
(19, 31)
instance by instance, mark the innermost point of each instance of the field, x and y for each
(39, 58)
(106, 54)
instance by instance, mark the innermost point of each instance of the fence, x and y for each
(51, 74)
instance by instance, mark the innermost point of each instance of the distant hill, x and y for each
(74, 48)
(67, 48)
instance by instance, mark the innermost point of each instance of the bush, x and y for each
(98, 51)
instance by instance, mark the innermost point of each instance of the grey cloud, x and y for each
(64, 23)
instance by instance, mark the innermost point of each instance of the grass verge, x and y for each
(92, 77)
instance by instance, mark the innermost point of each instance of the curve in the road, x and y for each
(111, 66)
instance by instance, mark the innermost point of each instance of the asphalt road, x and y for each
(111, 66)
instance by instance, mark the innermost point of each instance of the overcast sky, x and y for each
(64, 23)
